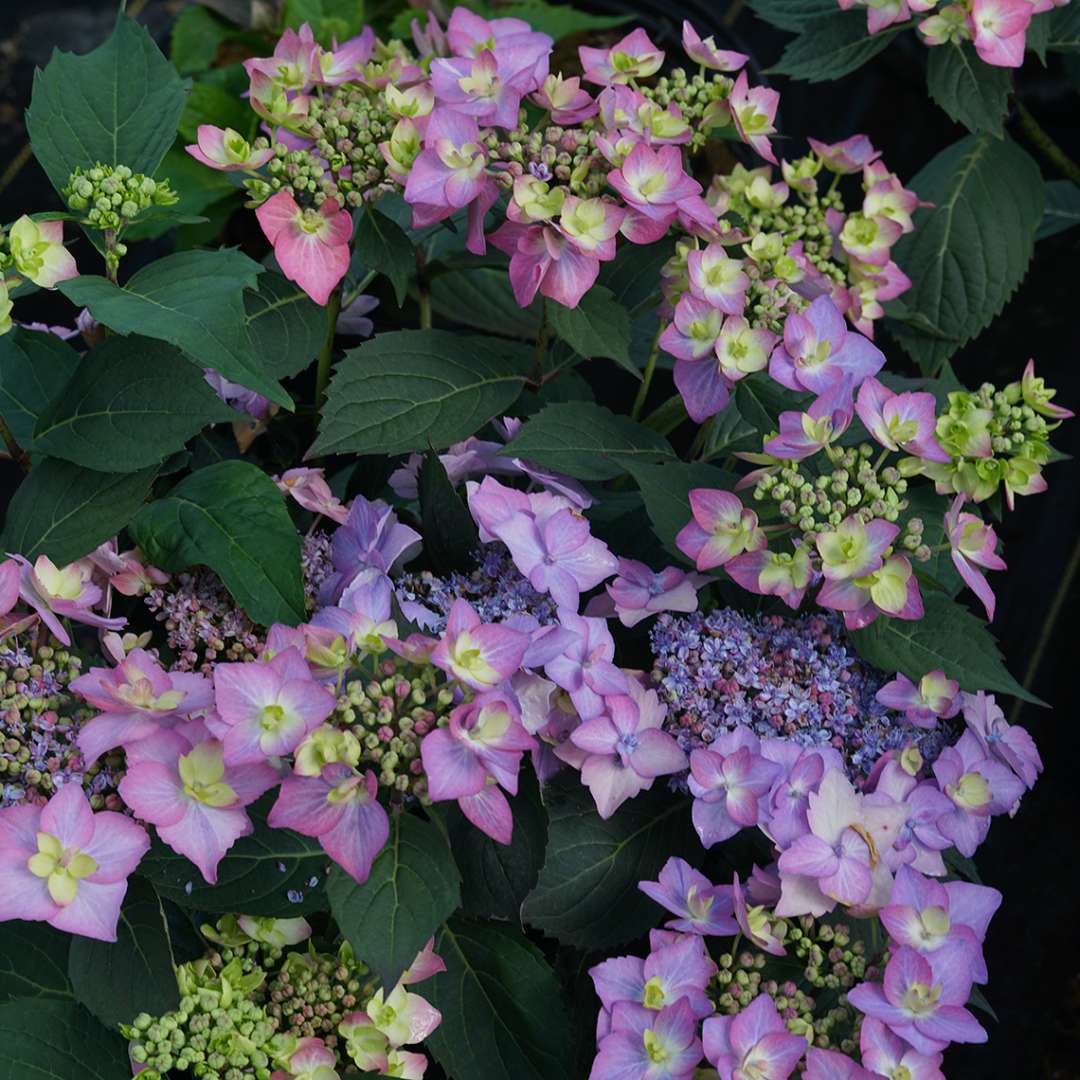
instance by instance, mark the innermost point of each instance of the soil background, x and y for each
(1033, 948)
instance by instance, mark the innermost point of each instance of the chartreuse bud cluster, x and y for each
(811, 1001)
(995, 438)
(701, 98)
(39, 723)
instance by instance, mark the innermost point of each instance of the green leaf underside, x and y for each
(230, 517)
(117, 981)
(502, 1007)
(131, 402)
(948, 637)
(255, 877)
(412, 389)
(587, 441)
(117, 105)
(964, 272)
(414, 886)
(972, 92)
(34, 368)
(195, 301)
(285, 325)
(58, 1040)
(587, 894)
(598, 327)
(833, 46)
(1062, 210)
(65, 511)
(496, 878)
(33, 961)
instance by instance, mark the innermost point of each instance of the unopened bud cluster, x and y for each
(39, 723)
(811, 1003)
(313, 992)
(701, 98)
(110, 197)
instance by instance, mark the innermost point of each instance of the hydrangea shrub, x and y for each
(394, 693)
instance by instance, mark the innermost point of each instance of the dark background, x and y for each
(1034, 945)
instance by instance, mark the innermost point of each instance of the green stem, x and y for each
(326, 353)
(543, 339)
(699, 439)
(14, 450)
(1045, 145)
(423, 288)
(650, 369)
(881, 459)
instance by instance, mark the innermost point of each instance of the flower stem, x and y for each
(650, 369)
(423, 288)
(543, 339)
(14, 450)
(698, 445)
(1045, 145)
(326, 353)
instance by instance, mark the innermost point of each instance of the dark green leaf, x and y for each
(117, 105)
(64, 511)
(232, 518)
(496, 878)
(271, 872)
(117, 981)
(948, 637)
(761, 400)
(587, 441)
(195, 301)
(971, 91)
(792, 14)
(559, 20)
(1064, 30)
(482, 297)
(384, 247)
(587, 895)
(33, 961)
(1038, 35)
(215, 99)
(1062, 210)
(58, 1040)
(963, 271)
(666, 491)
(961, 865)
(598, 326)
(729, 432)
(197, 35)
(131, 402)
(449, 531)
(412, 389)
(286, 326)
(832, 46)
(502, 1007)
(414, 885)
(34, 368)
(978, 999)
(930, 507)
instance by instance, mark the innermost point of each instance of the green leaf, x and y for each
(449, 531)
(598, 326)
(1062, 210)
(232, 518)
(559, 20)
(761, 400)
(117, 981)
(414, 886)
(502, 1007)
(482, 297)
(34, 368)
(258, 875)
(33, 961)
(972, 92)
(587, 895)
(285, 325)
(587, 441)
(195, 301)
(131, 402)
(633, 277)
(384, 247)
(1064, 30)
(117, 105)
(1038, 35)
(58, 1040)
(948, 637)
(64, 511)
(961, 865)
(964, 272)
(215, 99)
(666, 491)
(925, 503)
(792, 14)
(833, 46)
(412, 389)
(496, 878)
(197, 35)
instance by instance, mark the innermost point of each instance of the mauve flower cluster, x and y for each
(794, 678)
